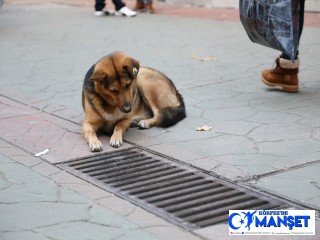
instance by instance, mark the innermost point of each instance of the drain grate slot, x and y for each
(182, 189)
(116, 166)
(147, 175)
(140, 185)
(168, 186)
(182, 194)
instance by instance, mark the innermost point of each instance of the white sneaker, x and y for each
(102, 13)
(125, 11)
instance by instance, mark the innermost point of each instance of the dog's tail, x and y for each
(172, 115)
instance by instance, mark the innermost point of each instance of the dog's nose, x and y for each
(127, 108)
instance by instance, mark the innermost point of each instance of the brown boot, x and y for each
(150, 8)
(284, 75)
(139, 5)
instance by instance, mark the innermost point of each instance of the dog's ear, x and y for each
(99, 74)
(131, 66)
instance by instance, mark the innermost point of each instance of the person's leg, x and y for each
(139, 5)
(118, 4)
(301, 22)
(285, 74)
(301, 17)
(100, 4)
(149, 6)
(122, 9)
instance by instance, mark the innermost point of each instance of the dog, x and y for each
(117, 93)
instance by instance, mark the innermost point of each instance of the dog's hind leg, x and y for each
(151, 122)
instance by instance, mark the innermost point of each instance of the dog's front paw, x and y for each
(95, 146)
(135, 122)
(116, 141)
(144, 124)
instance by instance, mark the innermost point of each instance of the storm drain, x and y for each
(181, 194)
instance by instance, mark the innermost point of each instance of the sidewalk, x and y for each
(260, 138)
(36, 207)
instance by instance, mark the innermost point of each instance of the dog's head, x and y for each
(115, 80)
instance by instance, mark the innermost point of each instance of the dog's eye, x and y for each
(115, 91)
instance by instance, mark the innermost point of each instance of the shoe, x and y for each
(285, 75)
(125, 11)
(150, 8)
(102, 13)
(139, 6)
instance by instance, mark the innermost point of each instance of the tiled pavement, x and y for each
(36, 207)
(260, 138)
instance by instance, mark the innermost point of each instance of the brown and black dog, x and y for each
(117, 93)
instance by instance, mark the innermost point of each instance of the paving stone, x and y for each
(17, 174)
(188, 124)
(176, 152)
(22, 216)
(41, 105)
(122, 207)
(139, 137)
(205, 163)
(233, 173)
(251, 164)
(296, 160)
(45, 169)
(137, 234)
(63, 177)
(4, 144)
(274, 117)
(35, 203)
(289, 148)
(162, 232)
(280, 132)
(300, 184)
(72, 231)
(24, 235)
(233, 127)
(52, 108)
(4, 159)
(32, 192)
(222, 103)
(27, 160)
(87, 190)
(181, 135)
(98, 217)
(229, 114)
(41, 131)
(12, 152)
(220, 145)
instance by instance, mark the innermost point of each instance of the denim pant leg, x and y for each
(301, 22)
(100, 4)
(118, 4)
(301, 17)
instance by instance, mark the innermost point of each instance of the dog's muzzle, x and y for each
(127, 108)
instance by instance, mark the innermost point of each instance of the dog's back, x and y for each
(160, 94)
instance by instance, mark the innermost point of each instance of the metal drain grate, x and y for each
(178, 193)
